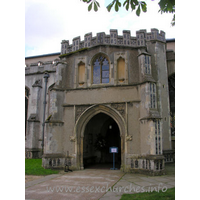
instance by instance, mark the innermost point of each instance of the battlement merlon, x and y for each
(142, 36)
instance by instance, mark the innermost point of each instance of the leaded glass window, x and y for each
(101, 70)
(152, 95)
(147, 65)
(158, 149)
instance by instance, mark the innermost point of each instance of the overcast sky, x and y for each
(49, 22)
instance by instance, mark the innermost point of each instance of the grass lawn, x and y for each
(34, 167)
(168, 195)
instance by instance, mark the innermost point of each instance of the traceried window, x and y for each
(147, 65)
(158, 148)
(101, 70)
(152, 95)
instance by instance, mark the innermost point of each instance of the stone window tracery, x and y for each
(147, 64)
(158, 148)
(152, 95)
(101, 70)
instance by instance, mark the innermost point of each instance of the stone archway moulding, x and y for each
(85, 118)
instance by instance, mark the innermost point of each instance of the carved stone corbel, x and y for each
(129, 138)
(38, 83)
(72, 138)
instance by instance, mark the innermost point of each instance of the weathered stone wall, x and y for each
(133, 126)
(170, 62)
(69, 72)
(34, 82)
(101, 95)
(70, 106)
(160, 70)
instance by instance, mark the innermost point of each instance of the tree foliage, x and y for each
(166, 6)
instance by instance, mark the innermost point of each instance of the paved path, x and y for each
(85, 184)
(137, 183)
(93, 184)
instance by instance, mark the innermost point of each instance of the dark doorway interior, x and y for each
(101, 132)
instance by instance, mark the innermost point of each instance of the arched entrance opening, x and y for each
(101, 133)
(80, 127)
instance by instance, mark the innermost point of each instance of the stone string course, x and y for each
(113, 39)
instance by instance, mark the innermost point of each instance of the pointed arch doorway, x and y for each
(101, 133)
(80, 129)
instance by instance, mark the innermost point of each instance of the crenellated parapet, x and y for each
(112, 39)
(41, 67)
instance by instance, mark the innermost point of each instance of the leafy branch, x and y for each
(93, 3)
(129, 4)
(165, 6)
